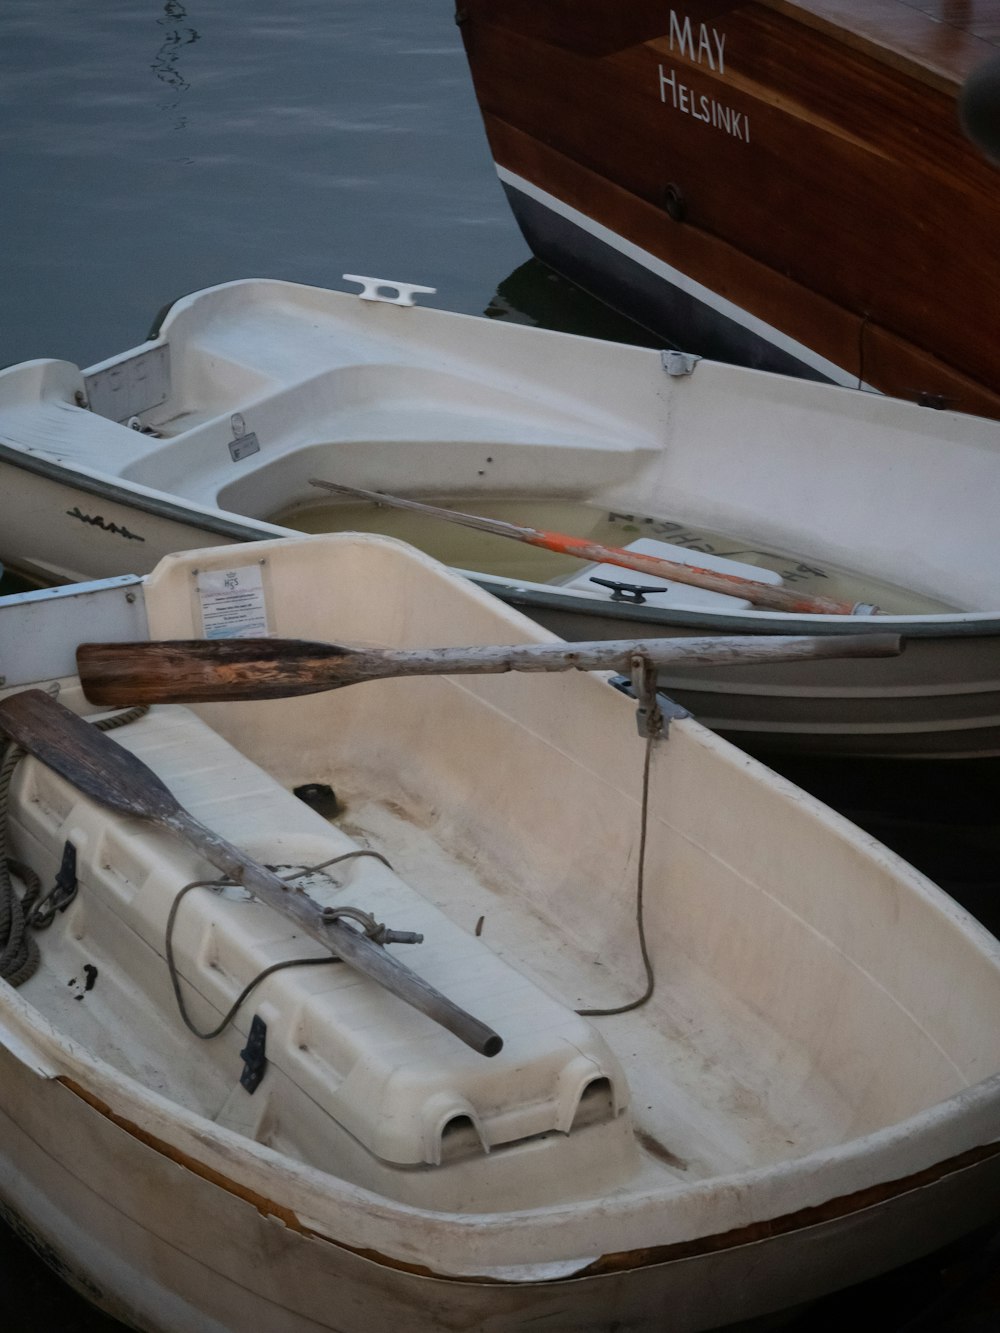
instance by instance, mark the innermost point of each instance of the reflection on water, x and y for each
(166, 65)
(316, 139)
(533, 294)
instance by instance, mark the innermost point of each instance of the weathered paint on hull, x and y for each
(168, 1250)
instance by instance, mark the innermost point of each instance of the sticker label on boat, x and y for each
(244, 447)
(233, 605)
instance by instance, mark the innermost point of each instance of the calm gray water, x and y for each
(150, 149)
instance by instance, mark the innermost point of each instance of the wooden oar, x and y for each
(202, 670)
(114, 777)
(773, 598)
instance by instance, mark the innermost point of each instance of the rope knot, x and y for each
(377, 931)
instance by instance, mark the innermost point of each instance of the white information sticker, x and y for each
(232, 603)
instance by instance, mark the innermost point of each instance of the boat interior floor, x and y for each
(689, 1080)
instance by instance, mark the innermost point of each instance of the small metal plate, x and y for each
(244, 446)
(127, 388)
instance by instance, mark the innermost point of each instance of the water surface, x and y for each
(152, 149)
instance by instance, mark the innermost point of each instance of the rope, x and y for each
(639, 892)
(121, 719)
(372, 928)
(19, 955)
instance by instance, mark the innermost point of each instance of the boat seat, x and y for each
(347, 1043)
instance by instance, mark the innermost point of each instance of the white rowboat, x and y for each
(809, 1097)
(211, 430)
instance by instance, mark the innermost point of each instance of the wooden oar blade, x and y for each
(118, 675)
(77, 751)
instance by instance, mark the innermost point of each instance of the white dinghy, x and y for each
(212, 430)
(809, 1095)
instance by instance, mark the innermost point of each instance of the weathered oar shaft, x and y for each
(772, 597)
(114, 777)
(617, 654)
(347, 943)
(200, 670)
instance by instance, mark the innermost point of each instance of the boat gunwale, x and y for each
(613, 1262)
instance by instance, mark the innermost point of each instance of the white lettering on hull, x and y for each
(702, 107)
(700, 44)
(709, 48)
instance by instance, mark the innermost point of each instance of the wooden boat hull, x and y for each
(370, 394)
(173, 1220)
(778, 184)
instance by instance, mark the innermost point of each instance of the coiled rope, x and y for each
(19, 955)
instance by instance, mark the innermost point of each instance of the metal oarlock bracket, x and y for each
(649, 718)
(665, 709)
(381, 289)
